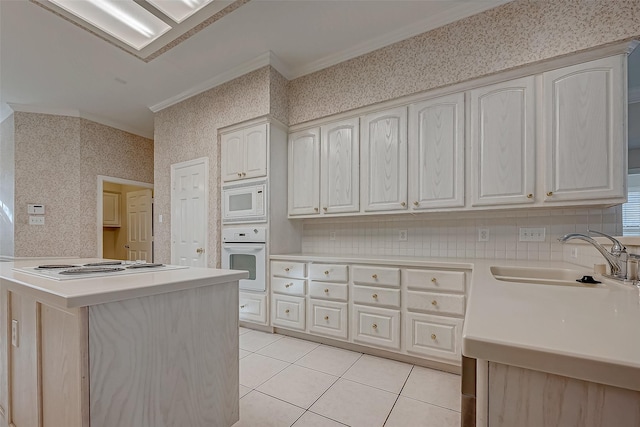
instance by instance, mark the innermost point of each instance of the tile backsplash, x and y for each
(455, 235)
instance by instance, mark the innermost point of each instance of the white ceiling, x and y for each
(48, 64)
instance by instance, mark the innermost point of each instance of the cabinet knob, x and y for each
(434, 280)
(326, 273)
(287, 269)
(415, 203)
(287, 311)
(433, 336)
(374, 276)
(242, 306)
(288, 285)
(244, 174)
(239, 174)
(549, 193)
(374, 326)
(403, 204)
(374, 296)
(434, 302)
(315, 209)
(326, 317)
(200, 251)
(529, 196)
(324, 209)
(326, 291)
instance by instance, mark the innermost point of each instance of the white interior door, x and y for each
(140, 225)
(190, 213)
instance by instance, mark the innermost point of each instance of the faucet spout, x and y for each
(617, 262)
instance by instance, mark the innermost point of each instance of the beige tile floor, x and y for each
(290, 382)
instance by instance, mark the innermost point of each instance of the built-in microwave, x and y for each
(244, 202)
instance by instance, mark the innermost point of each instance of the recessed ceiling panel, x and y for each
(125, 20)
(179, 10)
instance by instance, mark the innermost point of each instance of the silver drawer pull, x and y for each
(242, 306)
(287, 311)
(287, 269)
(326, 291)
(326, 317)
(326, 273)
(374, 276)
(374, 296)
(434, 302)
(433, 337)
(288, 285)
(374, 326)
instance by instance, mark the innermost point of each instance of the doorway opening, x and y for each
(125, 219)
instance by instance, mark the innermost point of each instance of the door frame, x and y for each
(101, 180)
(194, 162)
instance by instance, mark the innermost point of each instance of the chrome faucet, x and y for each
(617, 258)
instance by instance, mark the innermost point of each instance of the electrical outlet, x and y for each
(483, 234)
(402, 235)
(332, 235)
(36, 220)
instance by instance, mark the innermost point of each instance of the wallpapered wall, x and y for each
(57, 161)
(514, 34)
(189, 130)
(7, 185)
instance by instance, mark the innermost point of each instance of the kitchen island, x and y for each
(155, 348)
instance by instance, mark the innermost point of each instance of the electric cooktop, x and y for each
(97, 269)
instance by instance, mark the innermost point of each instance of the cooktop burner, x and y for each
(89, 270)
(52, 266)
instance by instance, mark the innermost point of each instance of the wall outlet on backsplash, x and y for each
(402, 235)
(483, 235)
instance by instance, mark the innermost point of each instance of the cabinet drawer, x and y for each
(328, 318)
(288, 312)
(451, 281)
(436, 303)
(434, 336)
(253, 307)
(288, 269)
(377, 326)
(329, 272)
(334, 291)
(376, 296)
(288, 286)
(383, 276)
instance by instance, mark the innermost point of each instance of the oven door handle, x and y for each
(244, 248)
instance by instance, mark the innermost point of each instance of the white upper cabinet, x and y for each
(436, 153)
(584, 131)
(502, 138)
(339, 183)
(304, 172)
(384, 160)
(244, 153)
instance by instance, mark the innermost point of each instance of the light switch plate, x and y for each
(532, 234)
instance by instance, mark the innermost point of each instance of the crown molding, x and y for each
(70, 112)
(457, 13)
(267, 58)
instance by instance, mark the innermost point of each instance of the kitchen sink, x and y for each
(541, 276)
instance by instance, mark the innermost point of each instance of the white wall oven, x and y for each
(244, 248)
(244, 202)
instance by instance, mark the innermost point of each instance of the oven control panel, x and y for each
(244, 235)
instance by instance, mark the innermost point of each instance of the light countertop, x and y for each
(99, 290)
(586, 333)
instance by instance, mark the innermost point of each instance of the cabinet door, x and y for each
(255, 151)
(232, 155)
(584, 131)
(436, 153)
(340, 184)
(502, 143)
(304, 172)
(384, 160)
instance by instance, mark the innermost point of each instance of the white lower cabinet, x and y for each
(435, 336)
(377, 326)
(399, 308)
(253, 307)
(328, 318)
(288, 312)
